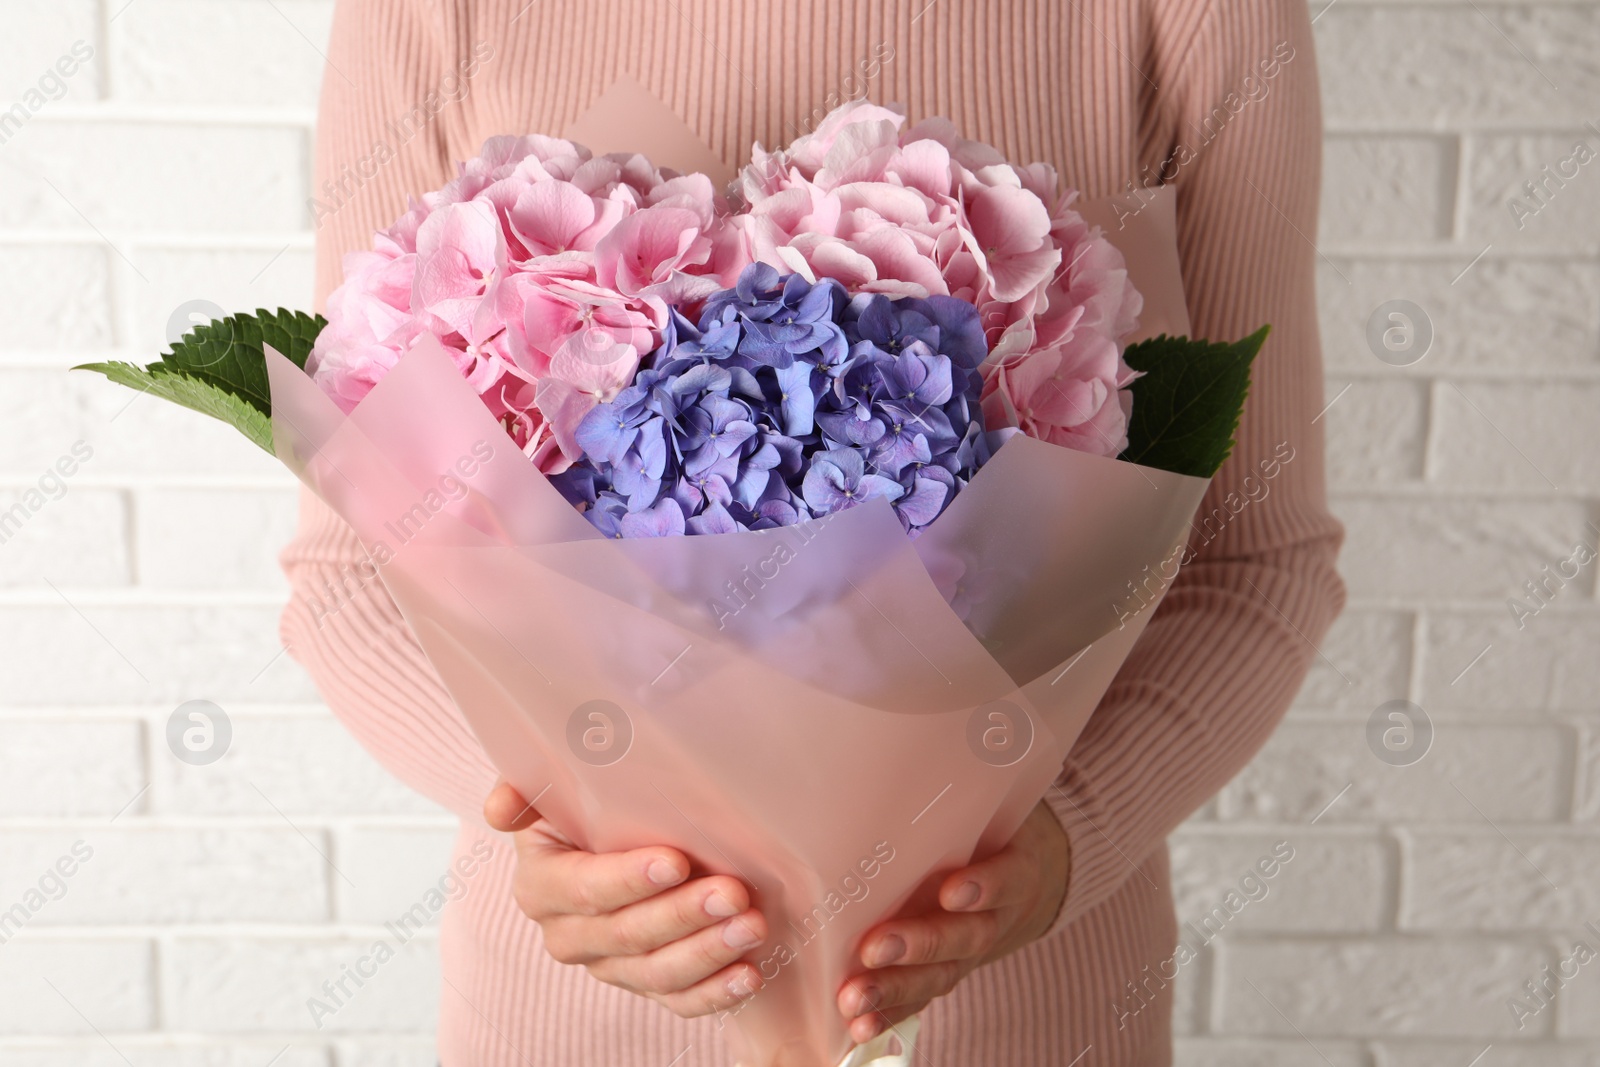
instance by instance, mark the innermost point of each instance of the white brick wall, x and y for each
(1415, 905)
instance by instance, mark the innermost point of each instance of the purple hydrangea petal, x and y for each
(665, 519)
(923, 504)
(796, 400)
(713, 520)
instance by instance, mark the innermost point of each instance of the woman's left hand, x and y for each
(990, 909)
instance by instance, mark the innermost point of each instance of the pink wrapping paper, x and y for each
(832, 712)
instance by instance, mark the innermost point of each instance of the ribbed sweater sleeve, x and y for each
(1229, 646)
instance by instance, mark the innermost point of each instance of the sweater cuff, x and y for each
(1083, 817)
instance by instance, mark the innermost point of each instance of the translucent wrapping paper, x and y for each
(832, 712)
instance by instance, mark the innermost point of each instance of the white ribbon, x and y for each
(892, 1048)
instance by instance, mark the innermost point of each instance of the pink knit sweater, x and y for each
(1216, 96)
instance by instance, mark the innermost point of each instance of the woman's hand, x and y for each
(990, 909)
(632, 918)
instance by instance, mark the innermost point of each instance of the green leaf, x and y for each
(1186, 406)
(192, 393)
(229, 354)
(220, 368)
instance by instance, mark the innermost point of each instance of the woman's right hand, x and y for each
(632, 918)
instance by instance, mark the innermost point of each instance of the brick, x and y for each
(1547, 311)
(300, 765)
(1587, 806)
(375, 1052)
(392, 868)
(59, 768)
(66, 289)
(1332, 882)
(37, 37)
(171, 177)
(231, 279)
(1373, 649)
(1430, 64)
(1389, 987)
(230, 54)
(146, 1052)
(76, 536)
(1387, 188)
(1376, 432)
(1457, 1054)
(1480, 880)
(109, 980)
(1221, 1052)
(200, 874)
(214, 538)
(1500, 207)
(1463, 547)
(182, 653)
(44, 410)
(1518, 435)
(1512, 773)
(1548, 665)
(243, 985)
(1577, 1006)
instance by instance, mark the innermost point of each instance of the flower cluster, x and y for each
(545, 272)
(880, 296)
(789, 400)
(922, 212)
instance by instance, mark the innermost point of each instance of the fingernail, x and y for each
(663, 873)
(886, 951)
(865, 1029)
(866, 998)
(738, 935)
(720, 906)
(741, 986)
(965, 896)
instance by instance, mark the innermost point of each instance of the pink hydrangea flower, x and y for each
(912, 212)
(545, 272)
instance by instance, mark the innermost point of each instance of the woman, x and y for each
(1057, 945)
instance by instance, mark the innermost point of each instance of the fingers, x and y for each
(874, 1023)
(555, 880)
(931, 939)
(650, 924)
(1007, 878)
(506, 811)
(720, 992)
(686, 962)
(878, 999)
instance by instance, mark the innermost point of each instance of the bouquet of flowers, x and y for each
(800, 525)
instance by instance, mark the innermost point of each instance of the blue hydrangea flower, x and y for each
(786, 401)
